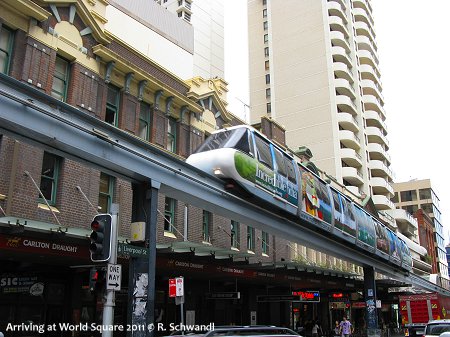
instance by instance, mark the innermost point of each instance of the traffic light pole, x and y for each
(108, 307)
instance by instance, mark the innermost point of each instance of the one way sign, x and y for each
(113, 276)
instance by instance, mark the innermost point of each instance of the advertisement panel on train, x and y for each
(366, 230)
(315, 197)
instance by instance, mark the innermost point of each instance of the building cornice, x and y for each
(27, 8)
(124, 66)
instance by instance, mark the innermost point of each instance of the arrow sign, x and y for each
(113, 277)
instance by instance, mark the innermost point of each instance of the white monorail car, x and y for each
(249, 162)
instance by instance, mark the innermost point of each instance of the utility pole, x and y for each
(108, 308)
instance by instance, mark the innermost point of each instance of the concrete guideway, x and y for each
(34, 117)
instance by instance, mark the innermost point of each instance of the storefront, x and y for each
(41, 283)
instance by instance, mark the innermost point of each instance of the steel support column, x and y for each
(370, 297)
(141, 289)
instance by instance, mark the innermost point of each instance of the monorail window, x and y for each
(245, 144)
(349, 217)
(290, 170)
(263, 148)
(393, 245)
(382, 238)
(337, 204)
(215, 141)
(235, 138)
(366, 230)
(281, 166)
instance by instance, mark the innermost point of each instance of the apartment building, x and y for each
(419, 198)
(314, 70)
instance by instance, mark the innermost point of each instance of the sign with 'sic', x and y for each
(113, 276)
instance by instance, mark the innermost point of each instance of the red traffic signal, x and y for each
(101, 236)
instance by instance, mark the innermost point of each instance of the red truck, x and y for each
(418, 309)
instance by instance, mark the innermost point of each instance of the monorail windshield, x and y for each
(235, 138)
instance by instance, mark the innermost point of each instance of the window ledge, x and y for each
(168, 234)
(207, 243)
(45, 207)
(265, 255)
(2, 197)
(235, 249)
(250, 252)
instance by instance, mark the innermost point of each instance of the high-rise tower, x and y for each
(314, 69)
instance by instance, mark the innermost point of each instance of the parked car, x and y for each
(271, 331)
(436, 327)
(414, 330)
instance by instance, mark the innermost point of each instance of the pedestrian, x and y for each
(315, 329)
(346, 328)
(337, 329)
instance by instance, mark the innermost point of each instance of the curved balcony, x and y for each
(379, 169)
(374, 135)
(340, 55)
(373, 118)
(343, 87)
(364, 5)
(351, 157)
(338, 39)
(371, 88)
(373, 103)
(364, 43)
(341, 70)
(337, 24)
(345, 104)
(363, 29)
(406, 224)
(422, 266)
(366, 57)
(352, 175)
(347, 121)
(336, 9)
(381, 186)
(349, 139)
(369, 73)
(354, 189)
(361, 15)
(340, 2)
(382, 202)
(377, 152)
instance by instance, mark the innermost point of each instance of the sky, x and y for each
(413, 47)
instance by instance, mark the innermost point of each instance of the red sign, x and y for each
(172, 287)
(308, 296)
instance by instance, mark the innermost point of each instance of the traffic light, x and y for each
(93, 278)
(101, 236)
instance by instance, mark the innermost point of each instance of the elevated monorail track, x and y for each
(34, 117)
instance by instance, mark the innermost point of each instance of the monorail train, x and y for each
(245, 158)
